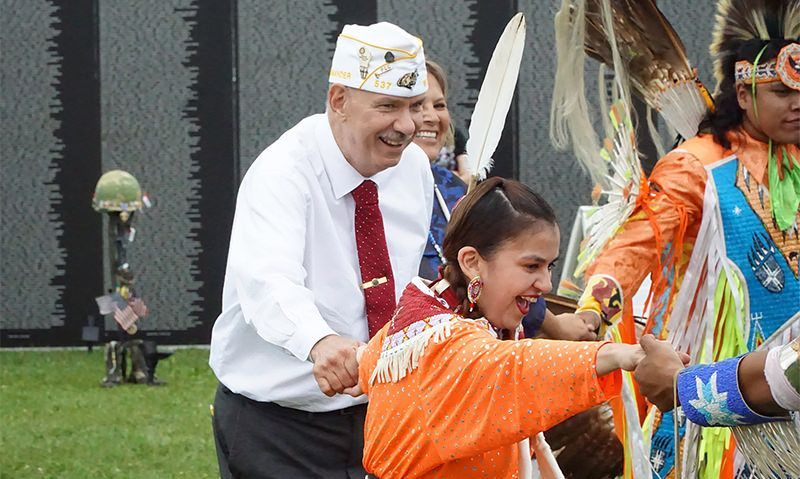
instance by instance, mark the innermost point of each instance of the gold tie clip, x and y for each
(374, 282)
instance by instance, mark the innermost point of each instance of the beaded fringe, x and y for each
(397, 362)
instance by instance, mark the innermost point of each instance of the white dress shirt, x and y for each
(293, 275)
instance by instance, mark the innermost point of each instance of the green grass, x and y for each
(56, 422)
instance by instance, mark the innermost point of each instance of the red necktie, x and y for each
(377, 280)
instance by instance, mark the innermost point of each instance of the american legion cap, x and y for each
(380, 58)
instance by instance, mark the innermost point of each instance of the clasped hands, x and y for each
(335, 361)
(653, 362)
(655, 373)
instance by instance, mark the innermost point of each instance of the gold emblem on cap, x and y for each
(364, 56)
(408, 80)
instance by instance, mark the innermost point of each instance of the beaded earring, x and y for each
(474, 289)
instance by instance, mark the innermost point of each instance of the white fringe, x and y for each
(693, 317)
(640, 449)
(771, 449)
(398, 361)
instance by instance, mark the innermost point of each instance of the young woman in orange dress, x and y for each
(448, 396)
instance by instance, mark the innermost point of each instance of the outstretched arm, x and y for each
(737, 386)
(676, 200)
(271, 282)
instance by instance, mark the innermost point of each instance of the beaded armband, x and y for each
(602, 295)
(710, 395)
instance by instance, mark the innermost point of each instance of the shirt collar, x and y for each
(343, 177)
(433, 288)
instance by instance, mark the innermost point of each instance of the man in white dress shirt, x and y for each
(307, 279)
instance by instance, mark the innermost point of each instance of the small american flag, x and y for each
(138, 306)
(125, 317)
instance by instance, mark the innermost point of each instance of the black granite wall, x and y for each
(184, 94)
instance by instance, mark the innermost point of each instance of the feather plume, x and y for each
(738, 21)
(615, 167)
(633, 38)
(570, 122)
(653, 58)
(494, 99)
(624, 174)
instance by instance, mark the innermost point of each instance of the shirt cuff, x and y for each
(782, 370)
(710, 395)
(610, 384)
(301, 342)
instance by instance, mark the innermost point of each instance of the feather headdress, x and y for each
(494, 99)
(638, 42)
(738, 21)
(656, 62)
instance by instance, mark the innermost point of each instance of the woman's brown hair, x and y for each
(497, 211)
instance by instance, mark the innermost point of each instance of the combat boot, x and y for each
(152, 357)
(139, 368)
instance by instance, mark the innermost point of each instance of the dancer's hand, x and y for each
(570, 326)
(335, 363)
(356, 391)
(656, 372)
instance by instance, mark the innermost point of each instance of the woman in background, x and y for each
(435, 134)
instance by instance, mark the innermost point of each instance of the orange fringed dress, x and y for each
(448, 399)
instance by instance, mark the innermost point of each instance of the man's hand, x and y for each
(335, 363)
(656, 372)
(571, 327)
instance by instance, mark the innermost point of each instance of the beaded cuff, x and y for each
(710, 395)
(602, 295)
